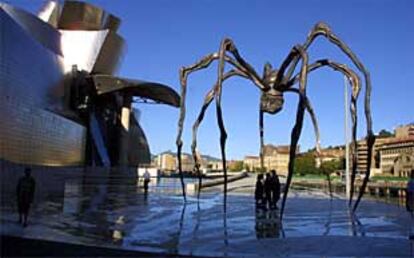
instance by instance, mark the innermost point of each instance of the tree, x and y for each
(385, 133)
(236, 166)
(305, 164)
(247, 167)
(330, 166)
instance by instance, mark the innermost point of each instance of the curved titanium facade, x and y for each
(31, 90)
(51, 69)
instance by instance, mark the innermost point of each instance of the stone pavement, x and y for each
(120, 216)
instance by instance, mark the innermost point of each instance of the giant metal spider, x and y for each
(273, 84)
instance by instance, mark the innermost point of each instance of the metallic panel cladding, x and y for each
(31, 86)
(78, 15)
(139, 152)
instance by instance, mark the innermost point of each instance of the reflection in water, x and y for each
(357, 228)
(72, 196)
(117, 235)
(226, 241)
(92, 200)
(177, 236)
(267, 224)
(110, 211)
(197, 222)
(329, 221)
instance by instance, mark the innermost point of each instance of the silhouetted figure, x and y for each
(259, 191)
(409, 200)
(25, 193)
(268, 190)
(146, 181)
(275, 189)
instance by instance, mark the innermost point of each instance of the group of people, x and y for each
(267, 192)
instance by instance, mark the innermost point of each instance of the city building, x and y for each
(251, 163)
(166, 161)
(329, 154)
(216, 165)
(391, 155)
(362, 155)
(275, 157)
(404, 131)
(187, 163)
(397, 156)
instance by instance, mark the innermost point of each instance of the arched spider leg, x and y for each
(240, 64)
(355, 83)
(207, 101)
(184, 71)
(317, 135)
(312, 114)
(228, 45)
(322, 29)
(297, 129)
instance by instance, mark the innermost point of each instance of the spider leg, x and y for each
(207, 101)
(322, 29)
(355, 83)
(291, 57)
(228, 45)
(312, 114)
(297, 129)
(184, 72)
(223, 135)
(261, 133)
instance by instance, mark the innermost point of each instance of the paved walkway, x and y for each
(121, 216)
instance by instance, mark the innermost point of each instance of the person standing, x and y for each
(25, 192)
(146, 181)
(258, 193)
(275, 189)
(268, 190)
(409, 199)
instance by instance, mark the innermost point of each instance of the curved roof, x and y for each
(150, 90)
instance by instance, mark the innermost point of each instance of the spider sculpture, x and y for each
(273, 84)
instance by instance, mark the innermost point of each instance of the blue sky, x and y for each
(164, 35)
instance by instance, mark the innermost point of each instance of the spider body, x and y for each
(273, 85)
(271, 102)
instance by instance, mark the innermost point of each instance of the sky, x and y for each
(164, 35)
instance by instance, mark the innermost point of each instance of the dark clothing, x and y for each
(25, 192)
(268, 191)
(258, 193)
(146, 182)
(275, 185)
